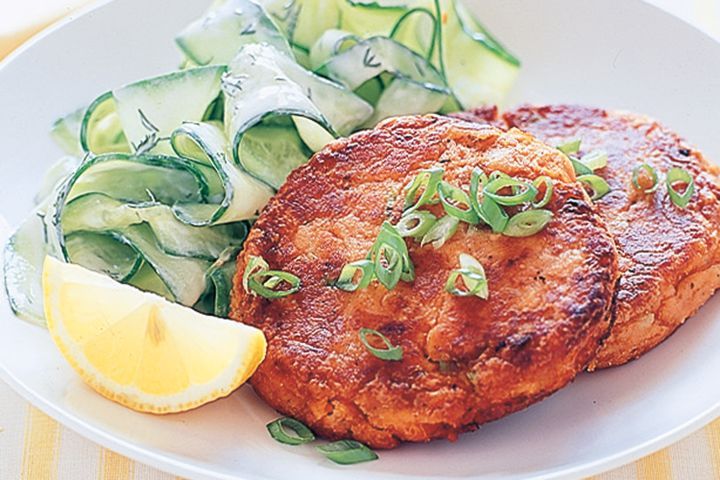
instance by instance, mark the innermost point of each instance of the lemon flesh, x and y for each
(140, 350)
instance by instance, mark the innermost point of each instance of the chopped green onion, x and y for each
(415, 224)
(390, 352)
(595, 160)
(279, 431)
(478, 180)
(257, 279)
(391, 257)
(390, 235)
(568, 148)
(597, 184)
(547, 181)
(347, 452)
(527, 223)
(388, 266)
(498, 174)
(573, 147)
(488, 210)
(493, 215)
(650, 172)
(266, 283)
(346, 281)
(441, 231)
(255, 264)
(388, 260)
(522, 191)
(426, 182)
(468, 277)
(472, 274)
(453, 199)
(675, 175)
(579, 167)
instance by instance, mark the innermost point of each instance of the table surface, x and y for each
(33, 446)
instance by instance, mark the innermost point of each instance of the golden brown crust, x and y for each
(669, 257)
(466, 360)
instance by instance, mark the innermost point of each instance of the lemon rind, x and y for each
(238, 371)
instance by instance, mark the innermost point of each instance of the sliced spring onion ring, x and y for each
(497, 174)
(300, 433)
(570, 147)
(426, 184)
(522, 191)
(415, 224)
(488, 211)
(347, 280)
(579, 167)
(547, 181)
(472, 274)
(391, 352)
(675, 175)
(597, 184)
(441, 231)
(453, 199)
(648, 171)
(493, 215)
(391, 257)
(468, 277)
(347, 452)
(255, 265)
(472, 263)
(527, 223)
(257, 279)
(388, 261)
(268, 283)
(478, 180)
(389, 235)
(595, 160)
(388, 266)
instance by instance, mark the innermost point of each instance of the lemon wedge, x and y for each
(140, 350)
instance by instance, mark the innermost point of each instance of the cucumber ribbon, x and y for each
(164, 176)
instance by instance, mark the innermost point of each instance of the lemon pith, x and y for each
(140, 350)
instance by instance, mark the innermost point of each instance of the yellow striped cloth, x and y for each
(34, 447)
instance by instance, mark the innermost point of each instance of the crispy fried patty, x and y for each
(465, 360)
(669, 257)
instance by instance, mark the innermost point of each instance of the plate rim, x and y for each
(166, 463)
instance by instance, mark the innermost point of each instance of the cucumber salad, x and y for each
(163, 177)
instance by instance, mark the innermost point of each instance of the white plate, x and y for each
(619, 54)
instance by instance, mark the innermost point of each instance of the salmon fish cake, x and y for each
(669, 256)
(465, 360)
